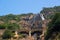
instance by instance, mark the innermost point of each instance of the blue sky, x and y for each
(25, 6)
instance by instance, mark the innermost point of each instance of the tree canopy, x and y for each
(53, 26)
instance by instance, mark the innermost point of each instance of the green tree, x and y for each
(2, 26)
(13, 27)
(7, 34)
(53, 27)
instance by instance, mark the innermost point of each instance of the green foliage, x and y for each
(13, 26)
(9, 26)
(54, 26)
(9, 17)
(7, 34)
(49, 12)
(6, 18)
(2, 26)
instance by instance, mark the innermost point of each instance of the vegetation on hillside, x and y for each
(7, 34)
(53, 31)
(49, 12)
(8, 17)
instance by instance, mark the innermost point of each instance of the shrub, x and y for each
(7, 34)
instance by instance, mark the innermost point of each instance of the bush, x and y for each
(53, 27)
(7, 34)
(2, 26)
